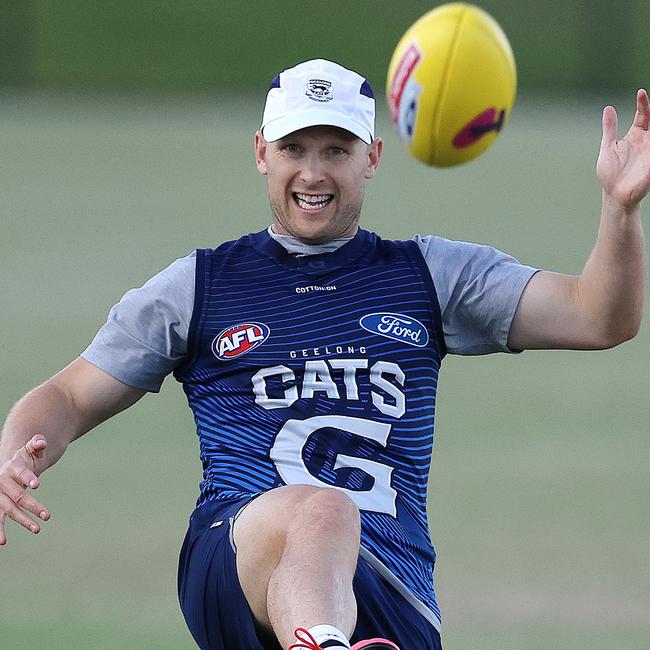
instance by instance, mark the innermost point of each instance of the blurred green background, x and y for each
(562, 46)
(126, 138)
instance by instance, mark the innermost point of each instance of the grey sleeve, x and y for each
(478, 288)
(145, 335)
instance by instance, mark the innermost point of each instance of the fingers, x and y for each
(24, 478)
(12, 510)
(610, 119)
(16, 478)
(642, 115)
(610, 127)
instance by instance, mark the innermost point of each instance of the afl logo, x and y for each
(397, 327)
(239, 339)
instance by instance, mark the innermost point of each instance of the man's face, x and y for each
(316, 179)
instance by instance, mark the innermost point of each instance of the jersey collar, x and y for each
(316, 264)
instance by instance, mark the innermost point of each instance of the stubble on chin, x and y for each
(344, 226)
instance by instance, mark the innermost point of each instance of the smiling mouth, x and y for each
(312, 201)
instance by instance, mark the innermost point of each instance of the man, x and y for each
(309, 353)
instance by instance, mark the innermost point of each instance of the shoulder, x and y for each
(165, 298)
(478, 288)
(452, 262)
(145, 335)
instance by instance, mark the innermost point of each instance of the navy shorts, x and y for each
(219, 617)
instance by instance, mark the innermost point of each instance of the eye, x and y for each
(290, 147)
(337, 151)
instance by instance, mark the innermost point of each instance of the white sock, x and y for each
(325, 633)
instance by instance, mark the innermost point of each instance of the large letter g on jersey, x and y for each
(287, 449)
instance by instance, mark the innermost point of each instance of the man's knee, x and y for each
(326, 509)
(284, 510)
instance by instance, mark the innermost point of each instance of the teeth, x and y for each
(309, 198)
(312, 202)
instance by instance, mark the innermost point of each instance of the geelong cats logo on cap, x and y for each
(239, 339)
(397, 327)
(319, 90)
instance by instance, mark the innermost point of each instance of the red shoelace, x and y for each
(306, 640)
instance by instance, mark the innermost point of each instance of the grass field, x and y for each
(539, 485)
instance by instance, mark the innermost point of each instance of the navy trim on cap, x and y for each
(276, 82)
(366, 89)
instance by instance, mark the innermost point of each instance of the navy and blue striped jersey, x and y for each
(321, 370)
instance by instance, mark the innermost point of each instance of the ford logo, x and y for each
(397, 327)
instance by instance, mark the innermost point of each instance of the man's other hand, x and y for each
(18, 475)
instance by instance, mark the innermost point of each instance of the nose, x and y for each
(312, 171)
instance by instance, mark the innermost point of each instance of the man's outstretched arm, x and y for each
(41, 426)
(603, 306)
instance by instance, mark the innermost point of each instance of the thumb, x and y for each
(610, 128)
(35, 448)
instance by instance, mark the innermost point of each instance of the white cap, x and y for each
(316, 93)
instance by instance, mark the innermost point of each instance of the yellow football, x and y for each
(451, 84)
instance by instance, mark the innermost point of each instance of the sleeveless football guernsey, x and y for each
(321, 370)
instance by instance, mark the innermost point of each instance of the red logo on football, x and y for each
(483, 123)
(403, 73)
(239, 339)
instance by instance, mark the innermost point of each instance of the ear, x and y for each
(375, 149)
(260, 153)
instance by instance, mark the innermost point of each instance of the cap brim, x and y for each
(283, 126)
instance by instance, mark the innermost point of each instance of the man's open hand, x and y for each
(17, 475)
(624, 165)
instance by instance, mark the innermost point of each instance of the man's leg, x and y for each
(297, 550)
